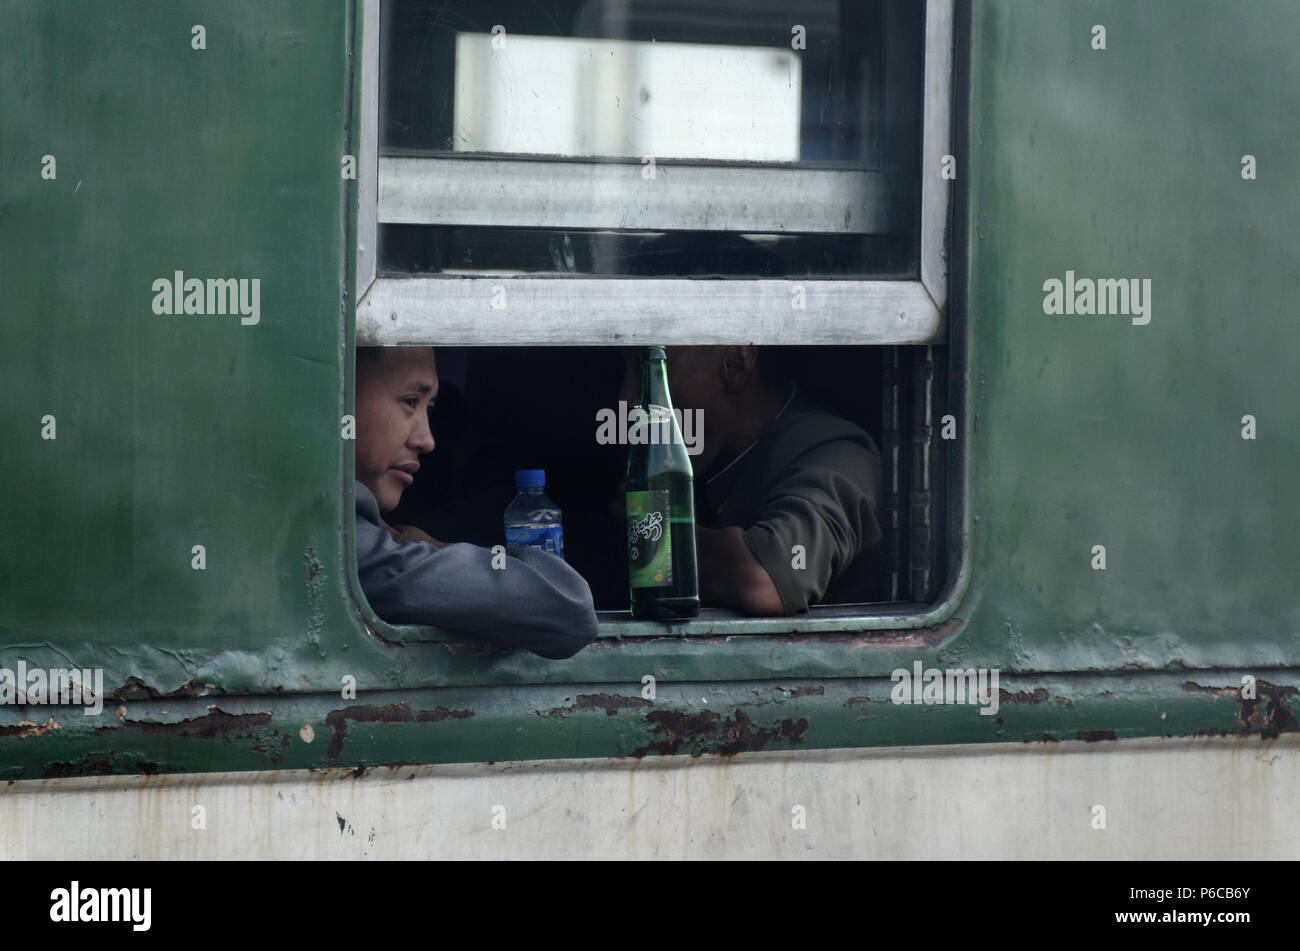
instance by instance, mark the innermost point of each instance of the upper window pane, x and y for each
(516, 137)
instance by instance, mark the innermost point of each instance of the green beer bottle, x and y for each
(660, 504)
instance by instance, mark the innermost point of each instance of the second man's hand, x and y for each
(730, 575)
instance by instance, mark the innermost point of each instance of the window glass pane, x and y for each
(515, 138)
(550, 95)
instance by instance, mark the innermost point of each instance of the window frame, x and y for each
(457, 311)
(581, 311)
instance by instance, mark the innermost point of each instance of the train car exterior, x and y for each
(1107, 332)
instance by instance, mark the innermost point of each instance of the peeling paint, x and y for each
(611, 703)
(1092, 736)
(29, 728)
(87, 765)
(735, 734)
(315, 586)
(1038, 696)
(337, 720)
(437, 714)
(275, 755)
(136, 689)
(213, 724)
(1273, 718)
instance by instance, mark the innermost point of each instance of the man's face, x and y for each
(395, 391)
(695, 377)
(695, 383)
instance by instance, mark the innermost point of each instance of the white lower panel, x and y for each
(1199, 798)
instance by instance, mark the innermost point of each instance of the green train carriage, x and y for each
(1107, 527)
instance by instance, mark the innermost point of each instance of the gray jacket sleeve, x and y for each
(826, 502)
(536, 601)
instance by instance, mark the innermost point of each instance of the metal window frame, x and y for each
(457, 311)
(591, 311)
(540, 193)
(368, 160)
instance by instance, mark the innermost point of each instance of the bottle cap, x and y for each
(530, 478)
(655, 353)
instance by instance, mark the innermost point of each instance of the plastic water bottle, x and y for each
(533, 520)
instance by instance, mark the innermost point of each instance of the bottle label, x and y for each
(549, 538)
(649, 539)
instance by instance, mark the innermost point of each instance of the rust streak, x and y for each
(1273, 718)
(209, 726)
(337, 721)
(92, 765)
(1092, 736)
(611, 703)
(1024, 696)
(707, 729)
(136, 689)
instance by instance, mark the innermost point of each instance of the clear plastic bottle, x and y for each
(533, 520)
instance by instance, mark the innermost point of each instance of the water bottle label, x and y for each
(549, 538)
(649, 539)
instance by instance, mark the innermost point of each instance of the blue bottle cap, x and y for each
(530, 478)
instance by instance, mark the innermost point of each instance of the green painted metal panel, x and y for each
(691, 718)
(176, 431)
(172, 431)
(1091, 430)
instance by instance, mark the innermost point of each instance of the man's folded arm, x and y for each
(829, 513)
(536, 601)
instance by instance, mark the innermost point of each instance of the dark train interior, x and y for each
(505, 408)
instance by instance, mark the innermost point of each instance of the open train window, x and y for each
(502, 409)
(544, 183)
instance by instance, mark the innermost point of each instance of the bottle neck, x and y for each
(654, 383)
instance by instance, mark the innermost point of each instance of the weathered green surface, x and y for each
(172, 431)
(176, 431)
(1093, 431)
(473, 725)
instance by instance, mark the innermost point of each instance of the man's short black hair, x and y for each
(371, 354)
